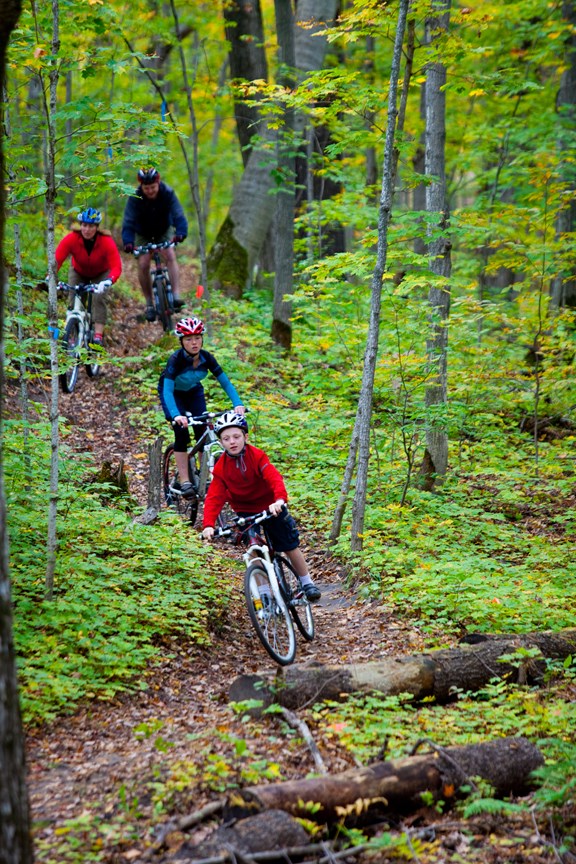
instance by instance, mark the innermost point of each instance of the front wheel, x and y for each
(187, 507)
(71, 345)
(295, 597)
(163, 307)
(270, 619)
(92, 369)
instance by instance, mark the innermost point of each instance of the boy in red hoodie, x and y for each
(245, 479)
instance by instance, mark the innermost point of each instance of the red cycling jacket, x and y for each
(249, 483)
(103, 256)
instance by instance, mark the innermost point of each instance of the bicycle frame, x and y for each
(82, 312)
(160, 281)
(76, 334)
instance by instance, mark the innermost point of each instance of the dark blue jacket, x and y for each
(152, 218)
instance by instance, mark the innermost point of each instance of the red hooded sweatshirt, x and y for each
(248, 482)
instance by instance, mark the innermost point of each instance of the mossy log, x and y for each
(395, 786)
(438, 674)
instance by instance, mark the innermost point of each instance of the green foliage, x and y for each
(121, 588)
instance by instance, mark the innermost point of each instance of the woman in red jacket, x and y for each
(94, 258)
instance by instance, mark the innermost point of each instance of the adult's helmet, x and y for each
(190, 327)
(90, 216)
(146, 176)
(229, 420)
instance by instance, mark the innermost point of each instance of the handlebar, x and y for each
(151, 247)
(243, 522)
(80, 289)
(202, 419)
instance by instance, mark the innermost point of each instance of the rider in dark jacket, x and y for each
(154, 214)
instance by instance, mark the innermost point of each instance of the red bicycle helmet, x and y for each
(190, 327)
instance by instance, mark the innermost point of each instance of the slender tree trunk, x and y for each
(19, 301)
(15, 839)
(435, 460)
(50, 169)
(214, 144)
(364, 413)
(390, 164)
(285, 195)
(193, 171)
(245, 32)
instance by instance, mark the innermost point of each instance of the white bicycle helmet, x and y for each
(228, 420)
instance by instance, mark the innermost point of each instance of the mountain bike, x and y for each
(272, 590)
(163, 298)
(202, 456)
(77, 337)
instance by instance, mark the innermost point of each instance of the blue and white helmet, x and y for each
(90, 216)
(229, 420)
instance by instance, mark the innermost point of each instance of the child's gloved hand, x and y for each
(276, 507)
(207, 533)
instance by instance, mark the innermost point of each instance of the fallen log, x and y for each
(258, 833)
(395, 786)
(438, 674)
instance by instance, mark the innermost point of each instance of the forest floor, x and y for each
(104, 759)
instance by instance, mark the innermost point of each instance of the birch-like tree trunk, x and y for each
(15, 839)
(284, 199)
(435, 460)
(50, 172)
(364, 412)
(192, 167)
(235, 251)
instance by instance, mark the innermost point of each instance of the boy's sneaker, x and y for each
(312, 592)
(178, 303)
(150, 313)
(187, 490)
(97, 339)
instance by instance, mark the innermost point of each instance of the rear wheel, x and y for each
(71, 345)
(171, 487)
(163, 307)
(298, 604)
(271, 621)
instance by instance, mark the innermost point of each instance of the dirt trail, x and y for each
(86, 760)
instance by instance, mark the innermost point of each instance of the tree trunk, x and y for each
(15, 840)
(281, 331)
(436, 675)
(396, 786)
(235, 252)
(364, 413)
(262, 832)
(247, 57)
(436, 455)
(563, 286)
(51, 191)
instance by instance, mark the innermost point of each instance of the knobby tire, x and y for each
(92, 369)
(186, 507)
(296, 600)
(164, 310)
(71, 346)
(272, 622)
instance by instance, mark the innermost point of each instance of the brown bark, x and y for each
(398, 785)
(15, 839)
(438, 674)
(260, 833)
